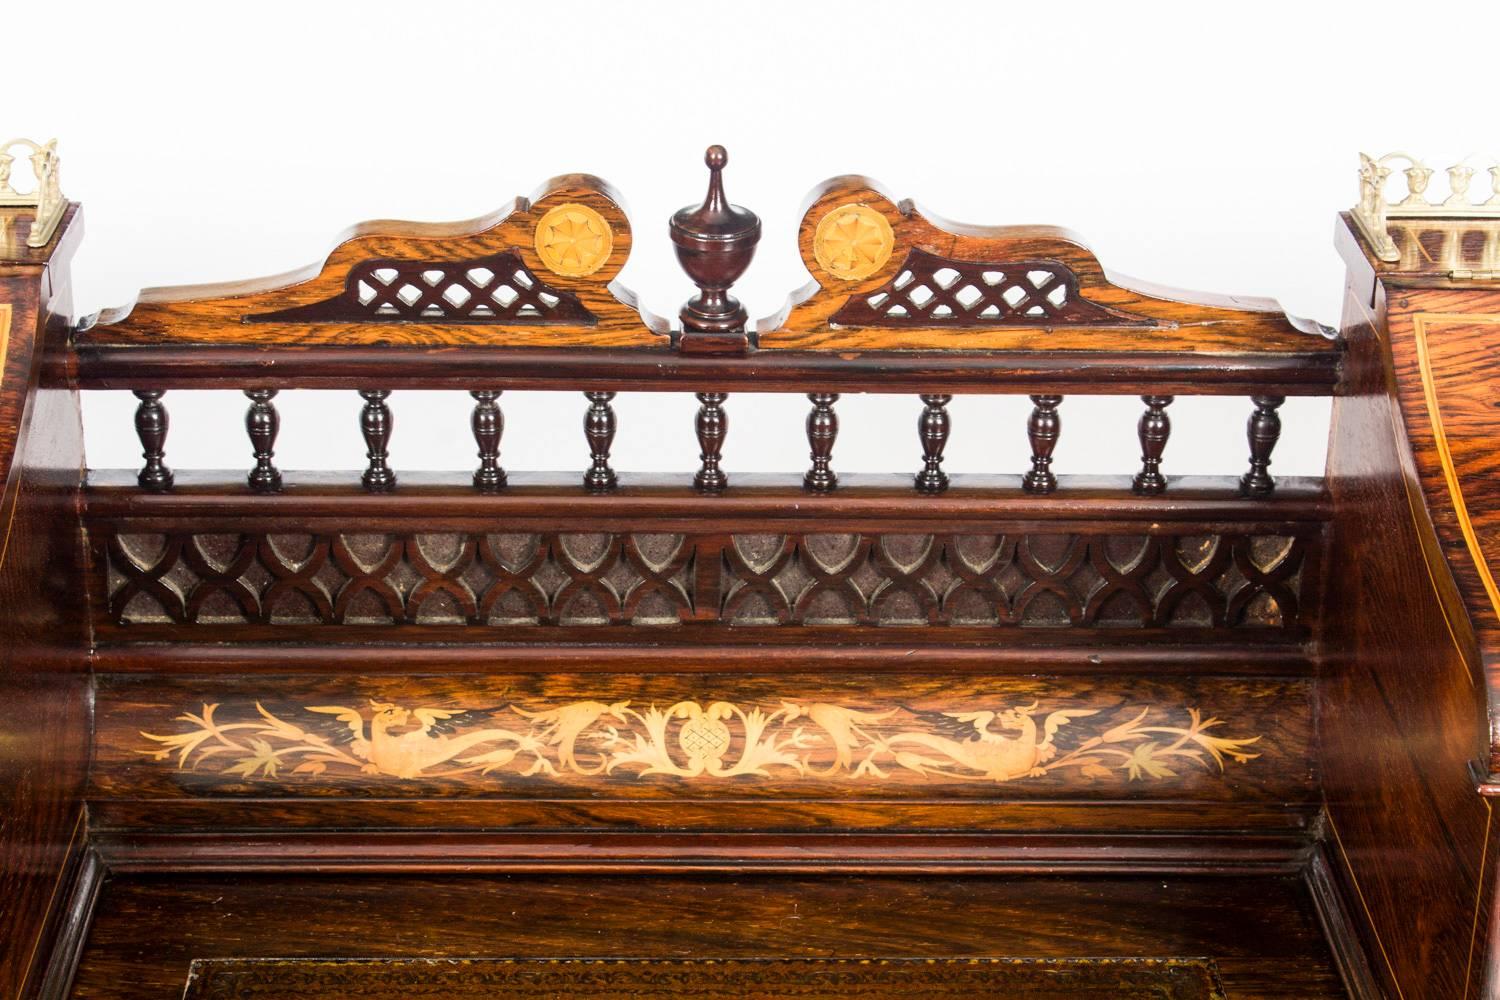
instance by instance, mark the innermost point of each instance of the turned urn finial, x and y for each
(715, 242)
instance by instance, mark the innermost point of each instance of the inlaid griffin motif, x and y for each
(690, 740)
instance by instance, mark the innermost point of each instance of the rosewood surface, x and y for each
(1268, 948)
(1224, 723)
(43, 667)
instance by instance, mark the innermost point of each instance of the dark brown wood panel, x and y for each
(213, 559)
(1401, 700)
(384, 715)
(550, 836)
(1091, 372)
(759, 979)
(572, 577)
(43, 639)
(670, 737)
(1260, 932)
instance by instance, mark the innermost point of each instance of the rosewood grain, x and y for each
(416, 575)
(1264, 430)
(653, 979)
(933, 291)
(375, 425)
(1093, 369)
(481, 282)
(1260, 932)
(822, 431)
(499, 290)
(1403, 705)
(712, 426)
(715, 243)
(151, 426)
(1042, 287)
(813, 716)
(1043, 429)
(933, 428)
(263, 423)
(745, 737)
(488, 424)
(1154, 429)
(599, 428)
(44, 687)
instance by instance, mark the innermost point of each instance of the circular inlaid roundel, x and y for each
(853, 242)
(573, 240)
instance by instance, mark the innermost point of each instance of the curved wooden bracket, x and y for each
(887, 276)
(539, 273)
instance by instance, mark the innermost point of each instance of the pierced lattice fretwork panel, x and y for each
(497, 289)
(932, 291)
(1057, 580)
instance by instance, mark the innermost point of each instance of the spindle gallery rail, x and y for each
(525, 299)
(528, 299)
(1173, 697)
(262, 424)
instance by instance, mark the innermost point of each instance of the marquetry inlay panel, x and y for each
(573, 240)
(1036, 580)
(853, 242)
(788, 739)
(674, 733)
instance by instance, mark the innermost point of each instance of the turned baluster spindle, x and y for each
(599, 428)
(488, 424)
(712, 426)
(375, 424)
(933, 427)
(1264, 430)
(263, 423)
(1154, 429)
(822, 431)
(1043, 429)
(151, 427)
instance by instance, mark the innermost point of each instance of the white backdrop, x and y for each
(1204, 146)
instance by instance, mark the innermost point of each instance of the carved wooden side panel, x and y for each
(1027, 580)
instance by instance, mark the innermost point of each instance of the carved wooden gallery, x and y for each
(496, 733)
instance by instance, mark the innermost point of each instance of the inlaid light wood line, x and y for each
(1373, 927)
(1484, 855)
(1440, 439)
(6, 310)
(1431, 555)
(57, 883)
(1427, 540)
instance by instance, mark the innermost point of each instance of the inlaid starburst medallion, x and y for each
(853, 242)
(573, 240)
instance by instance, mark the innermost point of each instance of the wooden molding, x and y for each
(402, 284)
(1012, 288)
